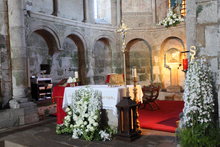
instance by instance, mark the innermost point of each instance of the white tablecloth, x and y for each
(110, 95)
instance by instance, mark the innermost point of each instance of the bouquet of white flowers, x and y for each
(198, 94)
(71, 80)
(83, 117)
(197, 126)
(172, 19)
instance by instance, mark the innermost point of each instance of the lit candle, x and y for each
(185, 64)
(76, 74)
(134, 72)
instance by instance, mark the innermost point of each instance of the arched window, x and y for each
(102, 11)
(180, 3)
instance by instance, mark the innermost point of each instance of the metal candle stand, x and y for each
(137, 102)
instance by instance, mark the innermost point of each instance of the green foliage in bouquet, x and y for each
(200, 135)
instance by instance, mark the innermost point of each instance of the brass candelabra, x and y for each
(135, 89)
(137, 102)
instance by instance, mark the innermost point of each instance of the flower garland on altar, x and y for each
(83, 117)
(172, 19)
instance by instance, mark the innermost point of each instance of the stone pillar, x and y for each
(154, 10)
(90, 62)
(191, 23)
(18, 49)
(55, 7)
(90, 11)
(114, 12)
(85, 10)
(119, 12)
(16, 27)
(5, 77)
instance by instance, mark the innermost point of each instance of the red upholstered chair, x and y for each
(150, 95)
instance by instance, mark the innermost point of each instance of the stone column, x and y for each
(191, 23)
(5, 77)
(119, 12)
(90, 11)
(114, 12)
(85, 10)
(55, 8)
(16, 27)
(154, 10)
(18, 49)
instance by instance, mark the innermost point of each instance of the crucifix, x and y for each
(123, 30)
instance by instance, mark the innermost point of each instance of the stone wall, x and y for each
(5, 68)
(103, 57)
(58, 28)
(69, 39)
(68, 44)
(202, 25)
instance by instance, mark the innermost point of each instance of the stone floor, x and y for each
(43, 134)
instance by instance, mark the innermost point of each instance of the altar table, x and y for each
(110, 95)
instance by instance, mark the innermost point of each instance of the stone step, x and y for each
(7, 143)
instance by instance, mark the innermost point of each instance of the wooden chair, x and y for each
(150, 95)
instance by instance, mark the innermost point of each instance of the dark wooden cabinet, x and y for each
(41, 88)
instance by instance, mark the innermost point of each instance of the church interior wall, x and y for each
(152, 33)
(71, 9)
(137, 13)
(203, 32)
(161, 9)
(79, 42)
(83, 34)
(134, 17)
(42, 6)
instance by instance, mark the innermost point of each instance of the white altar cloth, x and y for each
(110, 95)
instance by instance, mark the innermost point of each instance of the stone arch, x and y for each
(168, 46)
(42, 44)
(74, 49)
(102, 53)
(139, 54)
(49, 31)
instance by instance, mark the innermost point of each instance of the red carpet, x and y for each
(163, 119)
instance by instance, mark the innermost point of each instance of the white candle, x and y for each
(76, 74)
(134, 72)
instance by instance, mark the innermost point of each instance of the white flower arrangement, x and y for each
(172, 19)
(71, 80)
(83, 117)
(198, 125)
(198, 96)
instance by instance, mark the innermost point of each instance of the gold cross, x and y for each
(123, 30)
